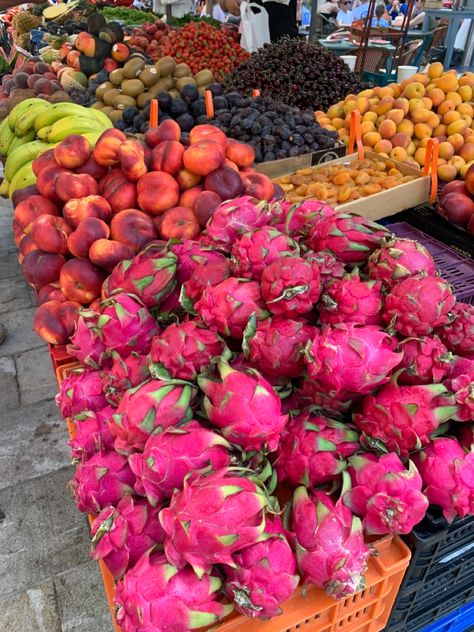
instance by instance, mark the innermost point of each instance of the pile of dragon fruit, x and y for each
(291, 351)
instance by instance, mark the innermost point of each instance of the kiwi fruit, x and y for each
(110, 94)
(116, 77)
(183, 81)
(204, 77)
(174, 94)
(122, 101)
(100, 90)
(149, 75)
(182, 70)
(143, 99)
(98, 105)
(115, 115)
(107, 109)
(133, 68)
(132, 87)
(166, 66)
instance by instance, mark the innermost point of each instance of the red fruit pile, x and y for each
(456, 202)
(151, 38)
(30, 80)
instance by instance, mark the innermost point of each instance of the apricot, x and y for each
(369, 93)
(422, 130)
(457, 127)
(362, 104)
(446, 150)
(371, 138)
(457, 162)
(415, 104)
(424, 142)
(465, 92)
(456, 140)
(467, 79)
(464, 169)
(337, 123)
(335, 111)
(428, 102)
(369, 117)
(414, 90)
(450, 117)
(387, 128)
(466, 152)
(440, 130)
(447, 172)
(437, 96)
(406, 127)
(420, 115)
(400, 140)
(366, 127)
(420, 77)
(435, 70)
(385, 105)
(385, 91)
(454, 97)
(433, 120)
(420, 156)
(402, 104)
(446, 106)
(348, 107)
(411, 149)
(465, 109)
(398, 153)
(383, 146)
(448, 82)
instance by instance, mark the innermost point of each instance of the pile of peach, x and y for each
(399, 119)
(344, 182)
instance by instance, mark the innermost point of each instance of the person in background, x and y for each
(378, 19)
(360, 12)
(328, 9)
(418, 16)
(344, 16)
(217, 13)
(281, 16)
(394, 8)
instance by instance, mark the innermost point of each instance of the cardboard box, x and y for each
(374, 206)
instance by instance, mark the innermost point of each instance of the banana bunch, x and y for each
(34, 126)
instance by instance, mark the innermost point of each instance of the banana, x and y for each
(6, 137)
(92, 137)
(22, 178)
(4, 187)
(102, 118)
(23, 154)
(20, 109)
(26, 121)
(59, 111)
(42, 134)
(18, 142)
(72, 125)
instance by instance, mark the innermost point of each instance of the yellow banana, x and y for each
(59, 111)
(102, 118)
(23, 154)
(4, 187)
(42, 134)
(72, 125)
(92, 137)
(24, 177)
(6, 137)
(20, 109)
(26, 121)
(18, 142)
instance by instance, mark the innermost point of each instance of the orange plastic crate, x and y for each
(63, 371)
(59, 356)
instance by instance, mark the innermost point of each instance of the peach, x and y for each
(402, 104)
(204, 156)
(28, 210)
(133, 228)
(445, 107)
(92, 169)
(371, 138)
(78, 209)
(466, 152)
(406, 127)
(456, 140)
(437, 96)
(106, 253)
(383, 146)
(435, 69)
(168, 130)
(132, 160)
(107, 147)
(226, 182)
(50, 292)
(158, 191)
(25, 246)
(446, 150)
(186, 179)
(207, 133)
(120, 52)
(179, 222)
(457, 127)
(23, 194)
(258, 186)
(396, 116)
(81, 281)
(414, 90)
(398, 153)
(72, 152)
(420, 115)
(188, 197)
(447, 172)
(46, 159)
(40, 268)
(400, 140)
(422, 130)
(88, 231)
(55, 320)
(243, 155)
(75, 185)
(50, 234)
(47, 182)
(387, 128)
(168, 157)
(204, 206)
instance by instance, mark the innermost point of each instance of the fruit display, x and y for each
(456, 201)
(304, 353)
(399, 119)
(127, 15)
(35, 126)
(22, 23)
(151, 38)
(296, 73)
(343, 182)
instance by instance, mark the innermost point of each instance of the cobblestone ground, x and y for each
(47, 582)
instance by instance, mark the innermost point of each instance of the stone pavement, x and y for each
(47, 581)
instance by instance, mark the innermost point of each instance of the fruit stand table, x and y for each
(454, 19)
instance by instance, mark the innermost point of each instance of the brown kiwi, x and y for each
(143, 99)
(110, 95)
(100, 90)
(107, 109)
(184, 81)
(116, 76)
(98, 105)
(162, 85)
(182, 70)
(132, 87)
(133, 68)
(115, 115)
(174, 94)
(166, 66)
(149, 75)
(122, 101)
(204, 77)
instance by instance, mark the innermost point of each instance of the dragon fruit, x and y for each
(352, 300)
(466, 436)
(147, 408)
(254, 251)
(330, 268)
(448, 473)
(403, 418)
(275, 346)
(290, 286)
(351, 357)
(92, 434)
(101, 480)
(170, 309)
(461, 382)
(418, 304)
(204, 276)
(86, 345)
(350, 238)
(227, 307)
(150, 275)
(156, 596)
(235, 217)
(122, 534)
(330, 545)
(425, 360)
(310, 393)
(126, 325)
(184, 350)
(298, 219)
(265, 574)
(125, 373)
(245, 407)
(212, 517)
(170, 455)
(397, 259)
(385, 494)
(190, 255)
(80, 391)
(458, 335)
(313, 450)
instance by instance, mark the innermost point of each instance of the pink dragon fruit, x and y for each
(126, 325)
(461, 382)
(466, 436)
(351, 357)
(404, 418)
(81, 391)
(227, 307)
(170, 308)
(425, 360)
(313, 450)
(92, 434)
(125, 373)
(350, 238)
(330, 545)
(122, 534)
(275, 346)
(418, 304)
(352, 300)
(265, 575)
(330, 268)
(397, 259)
(254, 251)
(235, 217)
(86, 345)
(300, 218)
(448, 473)
(102, 480)
(190, 255)
(310, 393)
(290, 286)
(244, 406)
(386, 495)
(458, 335)
(156, 596)
(170, 455)
(150, 275)
(204, 276)
(183, 350)
(147, 408)
(212, 517)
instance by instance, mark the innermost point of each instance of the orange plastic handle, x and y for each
(209, 104)
(256, 93)
(355, 136)
(154, 113)
(431, 159)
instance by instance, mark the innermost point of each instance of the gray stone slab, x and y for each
(9, 392)
(14, 294)
(9, 266)
(34, 610)
(36, 378)
(20, 334)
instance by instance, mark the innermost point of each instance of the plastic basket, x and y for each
(63, 371)
(461, 620)
(457, 269)
(59, 355)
